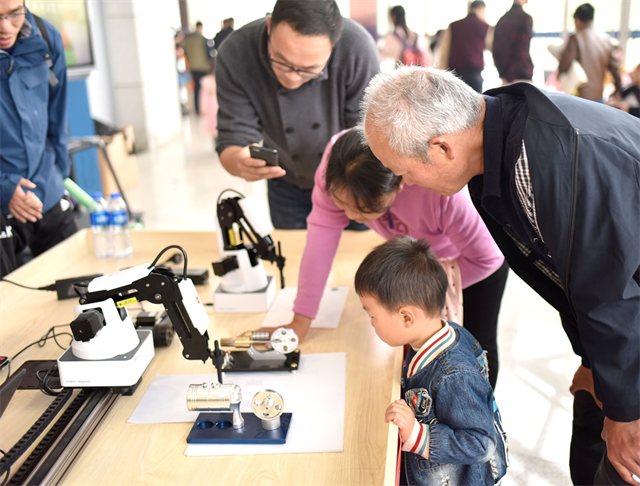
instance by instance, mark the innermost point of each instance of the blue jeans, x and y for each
(290, 206)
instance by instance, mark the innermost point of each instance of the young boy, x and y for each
(449, 423)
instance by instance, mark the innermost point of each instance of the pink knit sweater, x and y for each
(451, 225)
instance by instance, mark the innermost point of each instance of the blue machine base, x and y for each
(216, 428)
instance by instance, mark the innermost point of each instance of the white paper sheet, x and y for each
(329, 313)
(315, 395)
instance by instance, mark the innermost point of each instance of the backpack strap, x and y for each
(44, 33)
(404, 42)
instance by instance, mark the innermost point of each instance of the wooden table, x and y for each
(122, 453)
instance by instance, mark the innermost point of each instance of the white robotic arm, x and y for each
(106, 348)
(103, 328)
(244, 240)
(102, 321)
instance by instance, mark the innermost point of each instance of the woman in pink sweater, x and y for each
(351, 183)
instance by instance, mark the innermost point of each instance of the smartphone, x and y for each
(269, 155)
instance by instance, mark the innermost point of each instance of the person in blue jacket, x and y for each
(448, 419)
(33, 133)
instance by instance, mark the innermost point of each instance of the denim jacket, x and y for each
(467, 443)
(33, 114)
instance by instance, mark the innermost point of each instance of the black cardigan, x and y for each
(584, 160)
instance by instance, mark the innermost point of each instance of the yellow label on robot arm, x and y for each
(232, 238)
(126, 302)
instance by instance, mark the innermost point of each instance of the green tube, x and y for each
(79, 195)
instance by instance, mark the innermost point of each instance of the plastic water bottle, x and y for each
(100, 226)
(119, 226)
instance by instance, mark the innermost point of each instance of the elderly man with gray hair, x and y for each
(557, 181)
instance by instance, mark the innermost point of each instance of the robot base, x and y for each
(258, 301)
(122, 371)
(216, 428)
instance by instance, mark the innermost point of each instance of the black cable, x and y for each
(51, 287)
(228, 190)
(43, 340)
(175, 258)
(184, 253)
(44, 381)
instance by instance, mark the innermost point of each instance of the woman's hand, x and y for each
(300, 324)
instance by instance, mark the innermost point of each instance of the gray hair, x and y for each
(411, 105)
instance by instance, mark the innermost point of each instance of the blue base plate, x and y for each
(216, 428)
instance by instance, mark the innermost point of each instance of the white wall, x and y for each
(99, 81)
(137, 84)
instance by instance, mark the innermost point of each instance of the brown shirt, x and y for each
(594, 51)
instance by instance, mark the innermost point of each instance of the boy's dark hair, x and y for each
(476, 5)
(353, 167)
(404, 271)
(198, 24)
(585, 12)
(310, 17)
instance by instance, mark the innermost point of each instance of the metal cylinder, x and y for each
(246, 339)
(214, 397)
(259, 336)
(228, 342)
(268, 406)
(271, 424)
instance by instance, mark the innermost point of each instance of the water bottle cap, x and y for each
(115, 194)
(96, 195)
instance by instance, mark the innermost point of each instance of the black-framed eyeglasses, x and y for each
(14, 18)
(284, 67)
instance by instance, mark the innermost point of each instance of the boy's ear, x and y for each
(408, 314)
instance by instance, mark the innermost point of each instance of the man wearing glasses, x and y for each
(293, 80)
(33, 129)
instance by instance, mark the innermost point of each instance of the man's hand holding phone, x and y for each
(239, 162)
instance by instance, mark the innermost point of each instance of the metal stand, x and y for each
(78, 144)
(216, 428)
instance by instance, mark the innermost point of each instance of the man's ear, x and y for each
(408, 314)
(268, 25)
(442, 145)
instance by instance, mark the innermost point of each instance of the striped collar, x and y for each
(432, 348)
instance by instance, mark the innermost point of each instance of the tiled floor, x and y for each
(179, 185)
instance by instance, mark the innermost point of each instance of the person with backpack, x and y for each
(33, 134)
(403, 45)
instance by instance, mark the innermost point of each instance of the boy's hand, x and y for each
(400, 414)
